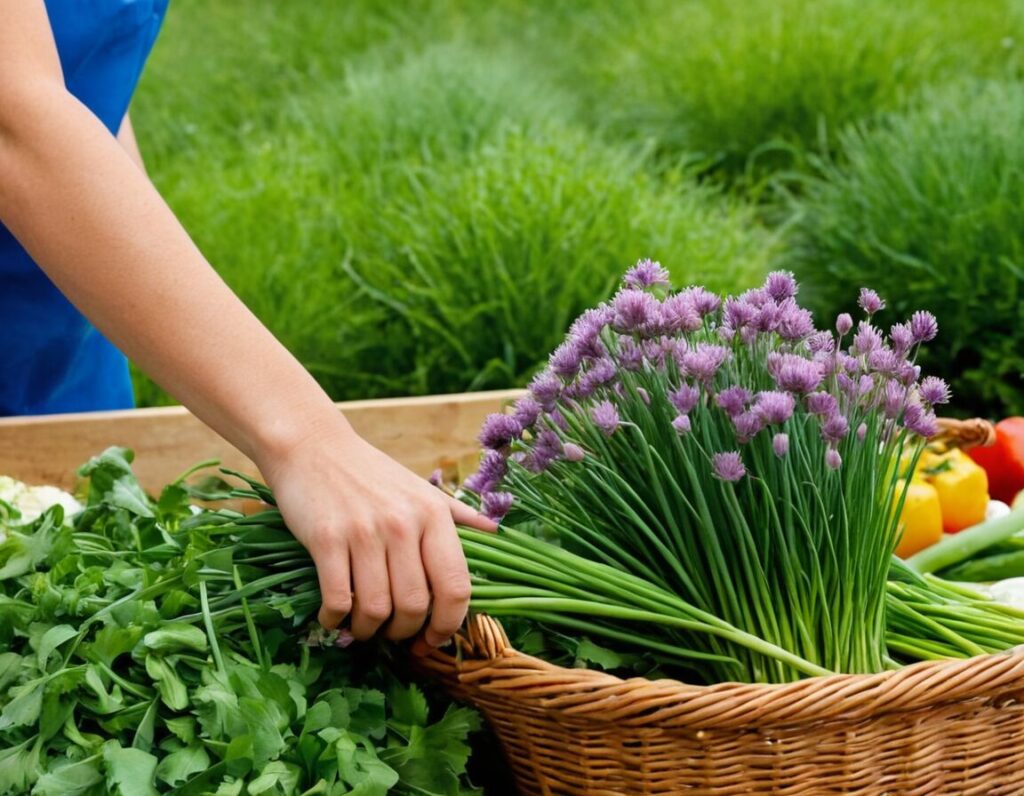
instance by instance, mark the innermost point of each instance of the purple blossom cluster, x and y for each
(753, 363)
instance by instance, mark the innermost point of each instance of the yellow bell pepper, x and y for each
(962, 487)
(921, 518)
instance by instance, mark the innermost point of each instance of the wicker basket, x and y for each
(948, 727)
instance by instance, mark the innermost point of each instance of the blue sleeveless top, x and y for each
(51, 358)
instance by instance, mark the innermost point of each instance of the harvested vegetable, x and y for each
(962, 489)
(920, 519)
(1003, 461)
(144, 651)
(962, 546)
(724, 453)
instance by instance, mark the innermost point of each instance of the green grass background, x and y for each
(418, 197)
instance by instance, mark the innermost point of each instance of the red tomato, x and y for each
(1004, 460)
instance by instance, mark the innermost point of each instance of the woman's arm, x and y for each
(126, 138)
(100, 231)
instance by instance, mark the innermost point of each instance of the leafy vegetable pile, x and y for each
(143, 650)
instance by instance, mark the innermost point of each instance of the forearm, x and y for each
(101, 232)
(126, 138)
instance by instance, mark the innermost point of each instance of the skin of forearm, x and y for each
(126, 138)
(97, 227)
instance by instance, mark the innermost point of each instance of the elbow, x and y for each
(28, 108)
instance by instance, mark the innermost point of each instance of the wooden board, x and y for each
(421, 433)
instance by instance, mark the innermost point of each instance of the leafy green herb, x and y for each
(145, 649)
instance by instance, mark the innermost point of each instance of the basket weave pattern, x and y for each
(948, 727)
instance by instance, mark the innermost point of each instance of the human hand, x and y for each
(383, 539)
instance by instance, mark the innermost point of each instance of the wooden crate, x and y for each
(421, 433)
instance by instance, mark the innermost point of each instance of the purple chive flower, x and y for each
(862, 432)
(646, 273)
(933, 391)
(865, 385)
(546, 449)
(835, 428)
(867, 339)
(654, 351)
(756, 297)
(909, 373)
(844, 323)
(848, 386)
(682, 424)
(767, 318)
(739, 313)
(901, 337)
(780, 444)
(489, 474)
(630, 355)
(556, 417)
(684, 398)
(728, 466)
(780, 285)
(821, 343)
(546, 389)
(919, 421)
(832, 459)
(894, 396)
(822, 404)
(635, 311)
(527, 410)
(586, 331)
(566, 359)
(794, 373)
(849, 363)
(573, 452)
(704, 301)
(703, 362)
(601, 372)
(733, 400)
(726, 334)
(923, 326)
(678, 314)
(605, 417)
(795, 323)
(747, 425)
(870, 301)
(497, 504)
(499, 430)
(884, 360)
(774, 407)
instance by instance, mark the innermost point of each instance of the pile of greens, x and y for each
(143, 651)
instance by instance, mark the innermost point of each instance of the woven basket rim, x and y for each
(485, 662)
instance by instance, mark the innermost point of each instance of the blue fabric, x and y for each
(51, 358)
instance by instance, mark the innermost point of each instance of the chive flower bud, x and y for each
(923, 326)
(497, 504)
(870, 301)
(605, 417)
(499, 430)
(646, 273)
(728, 466)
